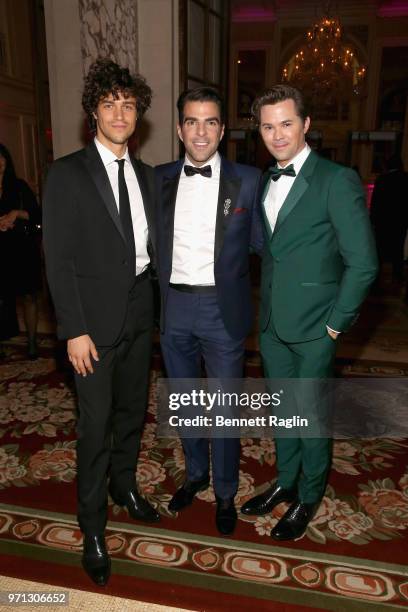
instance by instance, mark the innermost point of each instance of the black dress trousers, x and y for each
(112, 407)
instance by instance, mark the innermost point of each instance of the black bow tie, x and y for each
(276, 172)
(204, 171)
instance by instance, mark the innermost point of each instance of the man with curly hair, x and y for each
(98, 240)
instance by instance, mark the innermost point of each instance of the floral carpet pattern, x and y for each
(363, 516)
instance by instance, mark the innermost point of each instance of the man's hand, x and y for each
(80, 350)
(332, 334)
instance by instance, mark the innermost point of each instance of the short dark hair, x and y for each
(279, 93)
(106, 77)
(199, 94)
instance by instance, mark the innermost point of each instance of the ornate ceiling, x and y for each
(271, 10)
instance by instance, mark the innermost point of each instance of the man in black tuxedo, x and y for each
(98, 240)
(207, 212)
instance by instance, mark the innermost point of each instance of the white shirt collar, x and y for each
(107, 155)
(299, 158)
(214, 162)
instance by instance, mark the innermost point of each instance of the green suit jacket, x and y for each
(320, 261)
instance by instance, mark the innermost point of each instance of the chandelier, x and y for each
(324, 68)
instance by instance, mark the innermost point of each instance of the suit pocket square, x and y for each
(237, 211)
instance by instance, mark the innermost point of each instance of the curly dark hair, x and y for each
(106, 77)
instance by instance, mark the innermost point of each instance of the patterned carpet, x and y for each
(352, 557)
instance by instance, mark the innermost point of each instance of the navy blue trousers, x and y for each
(194, 330)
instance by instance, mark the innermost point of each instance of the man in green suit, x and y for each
(319, 260)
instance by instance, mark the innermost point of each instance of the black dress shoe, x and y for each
(138, 508)
(266, 502)
(225, 516)
(95, 559)
(184, 496)
(294, 522)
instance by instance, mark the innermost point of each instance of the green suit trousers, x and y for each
(303, 462)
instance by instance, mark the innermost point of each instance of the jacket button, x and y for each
(124, 262)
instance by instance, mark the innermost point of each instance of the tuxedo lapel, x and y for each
(266, 180)
(297, 190)
(99, 175)
(146, 197)
(230, 185)
(144, 190)
(168, 199)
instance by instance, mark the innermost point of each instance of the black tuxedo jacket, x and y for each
(238, 227)
(85, 248)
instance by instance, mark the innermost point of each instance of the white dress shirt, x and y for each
(194, 226)
(139, 222)
(278, 190)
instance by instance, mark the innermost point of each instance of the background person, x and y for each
(389, 215)
(20, 253)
